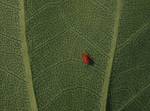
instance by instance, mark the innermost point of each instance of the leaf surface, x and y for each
(41, 47)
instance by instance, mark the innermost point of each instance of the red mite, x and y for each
(86, 58)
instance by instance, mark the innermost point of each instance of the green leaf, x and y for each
(41, 45)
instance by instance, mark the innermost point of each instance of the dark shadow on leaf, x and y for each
(109, 107)
(91, 62)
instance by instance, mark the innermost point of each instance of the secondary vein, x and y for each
(26, 59)
(105, 88)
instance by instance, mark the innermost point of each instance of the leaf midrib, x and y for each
(105, 89)
(25, 56)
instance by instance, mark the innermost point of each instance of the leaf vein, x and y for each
(134, 35)
(12, 74)
(72, 88)
(131, 100)
(90, 42)
(47, 41)
(42, 8)
(10, 37)
(9, 5)
(99, 4)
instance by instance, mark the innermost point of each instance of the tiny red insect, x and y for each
(86, 58)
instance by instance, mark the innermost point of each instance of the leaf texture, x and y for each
(16, 88)
(130, 86)
(41, 44)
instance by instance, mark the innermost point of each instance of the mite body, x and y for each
(86, 58)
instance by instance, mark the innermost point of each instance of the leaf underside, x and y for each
(41, 45)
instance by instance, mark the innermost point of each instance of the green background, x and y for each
(41, 44)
